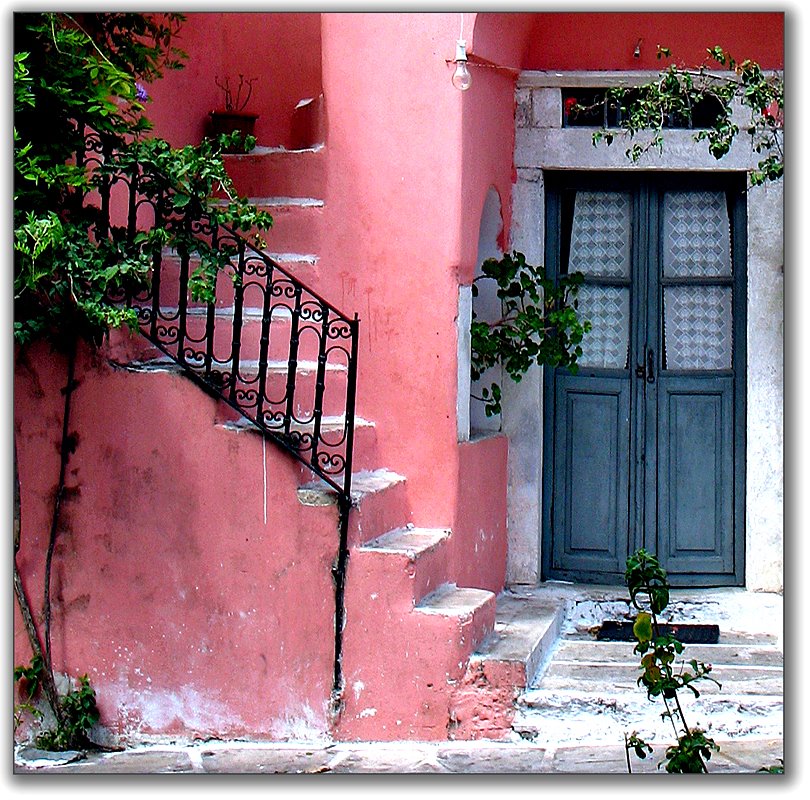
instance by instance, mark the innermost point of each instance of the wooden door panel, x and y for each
(592, 434)
(696, 475)
(645, 445)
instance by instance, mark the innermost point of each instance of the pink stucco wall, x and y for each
(391, 245)
(480, 522)
(190, 614)
(281, 49)
(593, 41)
(399, 239)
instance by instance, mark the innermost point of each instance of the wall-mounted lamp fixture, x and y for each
(637, 51)
(461, 77)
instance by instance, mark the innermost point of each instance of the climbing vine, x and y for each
(539, 323)
(675, 94)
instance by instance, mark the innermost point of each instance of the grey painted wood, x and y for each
(648, 455)
(591, 475)
(696, 475)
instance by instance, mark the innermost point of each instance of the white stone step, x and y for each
(364, 484)
(409, 541)
(527, 627)
(452, 600)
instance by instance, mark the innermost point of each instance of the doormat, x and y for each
(614, 631)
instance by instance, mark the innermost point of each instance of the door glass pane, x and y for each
(600, 234)
(608, 309)
(697, 235)
(697, 327)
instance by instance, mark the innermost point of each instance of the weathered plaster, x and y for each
(764, 479)
(540, 144)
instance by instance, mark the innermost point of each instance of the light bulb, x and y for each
(461, 77)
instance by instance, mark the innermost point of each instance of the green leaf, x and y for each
(642, 627)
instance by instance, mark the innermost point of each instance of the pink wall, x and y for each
(282, 49)
(189, 614)
(391, 242)
(607, 40)
(479, 529)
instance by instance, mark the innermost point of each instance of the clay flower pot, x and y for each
(230, 121)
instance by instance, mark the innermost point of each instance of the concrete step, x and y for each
(401, 668)
(138, 355)
(524, 633)
(406, 564)
(250, 332)
(526, 630)
(582, 717)
(332, 432)
(303, 266)
(333, 401)
(739, 654)
(308, 124)
(472, 612)
(588, 693)
(297, 226)
(300, 264)
(593, 676)
(277, 171)
(379, 500)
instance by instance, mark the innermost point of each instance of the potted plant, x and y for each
(234, 117)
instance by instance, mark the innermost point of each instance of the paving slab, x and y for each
(745, 757)
(264, 759)
(457, 758)
(136, 761)
(488, 757)
(385, 758)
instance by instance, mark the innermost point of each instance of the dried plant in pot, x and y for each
(233, 116)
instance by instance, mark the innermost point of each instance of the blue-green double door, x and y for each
(644, 445)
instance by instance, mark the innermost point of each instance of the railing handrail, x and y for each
(330, 461)
(287, 274)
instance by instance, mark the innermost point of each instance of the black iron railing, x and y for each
(268, 347)
(263, 343)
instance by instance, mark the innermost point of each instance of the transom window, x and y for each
(599, 108)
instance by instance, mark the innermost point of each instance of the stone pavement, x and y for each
(218, 757)
(571, 719)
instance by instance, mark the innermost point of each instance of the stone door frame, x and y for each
(541, 143)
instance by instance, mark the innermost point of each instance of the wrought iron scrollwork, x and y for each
(265, 343)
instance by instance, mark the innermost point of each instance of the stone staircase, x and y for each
(586, 692)
(410, 628)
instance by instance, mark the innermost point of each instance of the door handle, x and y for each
(650, 366)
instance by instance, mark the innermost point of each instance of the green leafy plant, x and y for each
(78, 710)
(29, 685)
(663, 675)
(539, 323)
(678, 91)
